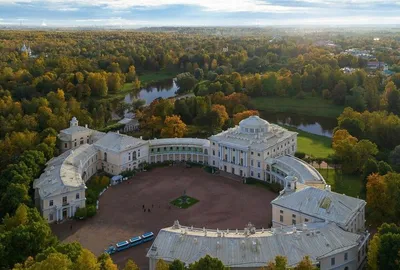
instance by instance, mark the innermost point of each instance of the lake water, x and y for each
(164, 89)
(313, 124)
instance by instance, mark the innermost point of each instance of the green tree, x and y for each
(177, 265)
(339, 93)
(207, 263)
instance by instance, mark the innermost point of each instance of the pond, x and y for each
(161, 89)
(313, 124)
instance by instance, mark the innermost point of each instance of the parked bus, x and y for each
(122, 245)
(110, 250)
(134, 241)
(147, 237)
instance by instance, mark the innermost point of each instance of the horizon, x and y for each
(209, 13)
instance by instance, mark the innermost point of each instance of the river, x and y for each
(312, 124)
(161, 89)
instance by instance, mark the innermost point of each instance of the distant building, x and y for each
(25, 49)
(348, 70)
(377, 65)
(130, 124)
(225, 49)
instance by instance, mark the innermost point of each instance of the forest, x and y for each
(78, 73)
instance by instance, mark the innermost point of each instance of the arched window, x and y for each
(134, 155)
(81, 140)
(346, 268)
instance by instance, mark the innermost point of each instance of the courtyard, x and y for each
(222, 203)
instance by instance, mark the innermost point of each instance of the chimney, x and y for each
(328, 188)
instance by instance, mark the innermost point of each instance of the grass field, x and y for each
(350, 185)
(314, 106)
(189, 202)
(157, 76)
(313, 145)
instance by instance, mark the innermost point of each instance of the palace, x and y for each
(307, 217)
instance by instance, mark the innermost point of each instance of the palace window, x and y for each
(165, 148)
(129, 156)
(252, 153)
(281, 211)
(293, 222)
(64, 200)
(65, 145)
(241, 161)
(75, 144)
(333, 261)
(251, 173)
(213, 152)
(346, 256)
(306, 220)
(87, 140)
(258, 154)
(213, 162)
(170, 148)
(105, 156)
(258, 164)
(81, 140)
(158, 149)
(51, 203)
(281, 218)
(251, 162)
(77, 196)
(50, 216)
(233, 159)
(213, 143)
(258, 175)
(293, 216)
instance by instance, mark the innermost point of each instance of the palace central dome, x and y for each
(253, 125)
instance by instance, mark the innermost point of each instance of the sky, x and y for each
(139, 13)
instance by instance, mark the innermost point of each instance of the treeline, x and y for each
(209, 114)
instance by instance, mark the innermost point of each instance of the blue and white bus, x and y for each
(110, 250)
(122, 245)
(147, 236)
(134, 241)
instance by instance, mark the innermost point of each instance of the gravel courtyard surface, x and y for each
(223, 203)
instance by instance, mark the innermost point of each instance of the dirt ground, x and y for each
(223, 203)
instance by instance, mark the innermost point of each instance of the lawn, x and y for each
(311, 144)
(156, 76)
(179, 202)
(314, 106)
(350, 185)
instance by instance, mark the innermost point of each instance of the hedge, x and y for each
(274, 187)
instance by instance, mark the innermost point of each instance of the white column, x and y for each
(237, 161)
(56, 214)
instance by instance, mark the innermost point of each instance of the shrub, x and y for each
(300, 155)
(326, 94)
(301, 95)
(91, 210)
(274, 187)
(81, 213)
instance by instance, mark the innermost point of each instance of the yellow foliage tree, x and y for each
(131, 265)
(173, 127)
(162, 265)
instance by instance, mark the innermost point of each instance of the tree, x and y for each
(86, 261)
(280, 263)
(131, 265)
(218, 116)
(384, 168)
(339, 93)
(394, 157)
(378, 199)
(177, 265)
(383, 252)
(106, 262)
(243, 115)
(162, 265)
(207, 263)
(55, 261)
(185, 81)
(198, 74)
(173, 127)
(305, 264)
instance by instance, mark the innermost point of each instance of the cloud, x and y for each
(113, 21)
(206, 5)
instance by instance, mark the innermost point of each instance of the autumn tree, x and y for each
(243, 115)
(218, 116)
(173, 127)
(280, 263)
(131, 265)
(162, 265)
